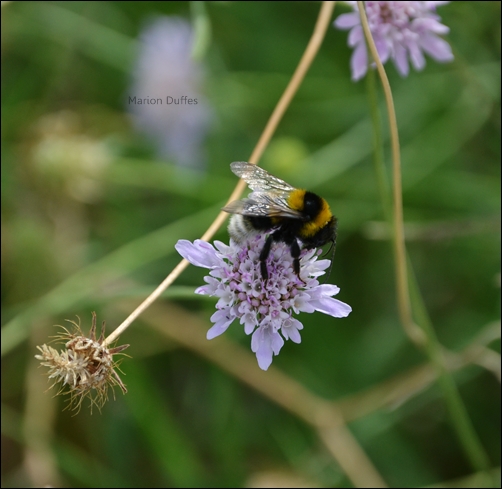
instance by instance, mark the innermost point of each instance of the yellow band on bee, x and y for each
(296, 199)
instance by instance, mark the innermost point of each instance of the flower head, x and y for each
(399, 29)
(264, 309)
(86, 367)
(168, 105)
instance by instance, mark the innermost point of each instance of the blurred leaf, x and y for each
(202, 30)
(60, 24)
(170, 447)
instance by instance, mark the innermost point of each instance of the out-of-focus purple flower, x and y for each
(265, 310)
(165, 99)
(400, 29)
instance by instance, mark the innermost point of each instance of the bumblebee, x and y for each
(296, 217)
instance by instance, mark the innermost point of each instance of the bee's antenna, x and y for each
(332, 247)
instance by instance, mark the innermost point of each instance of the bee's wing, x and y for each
(269, 197)
(259, 179)
(261, 204)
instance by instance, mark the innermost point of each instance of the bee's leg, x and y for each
(295, 254)
(263, 257)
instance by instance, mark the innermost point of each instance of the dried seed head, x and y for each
(85, 368)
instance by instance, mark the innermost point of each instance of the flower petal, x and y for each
(401, 59)
(436, 47)
(332, 307)
(264, 343)
(416, 56)
(356, 36)
(347, 21)
(359, 62)
(302, 303)
(429, 24)
(325, 290)
(383, 49)
(291, 330)
(199, 253)
(222, 319)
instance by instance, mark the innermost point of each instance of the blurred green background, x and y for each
(91, 210)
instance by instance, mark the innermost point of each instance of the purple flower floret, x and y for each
(265, 310)
(399, 29)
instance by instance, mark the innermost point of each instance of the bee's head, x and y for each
(325, 234)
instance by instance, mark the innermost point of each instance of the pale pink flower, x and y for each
(400, 30)
(264, 309)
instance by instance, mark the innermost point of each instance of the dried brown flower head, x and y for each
(85, 368)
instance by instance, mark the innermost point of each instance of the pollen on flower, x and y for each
(85, 368)
(264, 309)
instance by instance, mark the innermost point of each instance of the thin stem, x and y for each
(425, 337)
(378, 158)
(403, 293)
(310, 53)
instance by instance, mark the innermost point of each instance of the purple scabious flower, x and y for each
(399, 29)
(265, 310)
(165, 98)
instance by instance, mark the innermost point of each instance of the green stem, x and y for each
(410, 301)
(378, 158)
(458, 412)
(459, 416)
